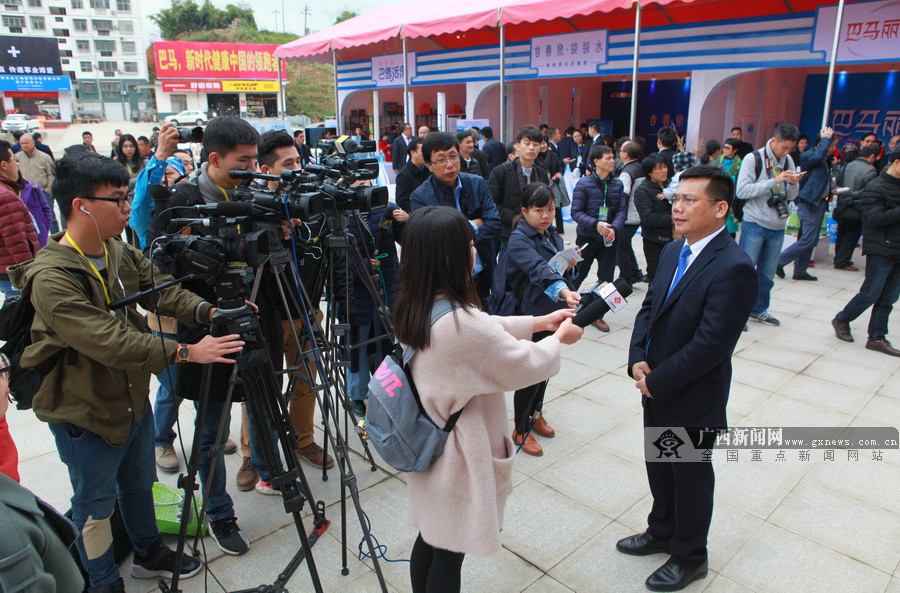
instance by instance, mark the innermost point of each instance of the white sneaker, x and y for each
(167, 459)
(267, 489)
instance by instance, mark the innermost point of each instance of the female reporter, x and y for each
(539, 289)
(467, 360)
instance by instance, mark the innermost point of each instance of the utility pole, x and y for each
(283, 18)
(305, 13)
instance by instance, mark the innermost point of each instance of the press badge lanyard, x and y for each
(90, 263)
(603, 211)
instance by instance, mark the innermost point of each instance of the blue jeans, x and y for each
(810, 225)
(8, 289)
(99, 473)
(763, 246)
(358, 381)
(880, 290)
(218, 503)
(165, 411)
(257, 458)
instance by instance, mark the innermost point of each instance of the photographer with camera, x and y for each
(812, 201)
(230, 143)
(277, 153)
(99, 361)
(766, 183)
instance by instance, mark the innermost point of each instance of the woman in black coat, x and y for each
(539, 289)
(654, 209)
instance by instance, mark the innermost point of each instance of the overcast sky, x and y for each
(269, 13)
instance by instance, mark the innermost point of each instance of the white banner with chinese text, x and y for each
(869, 31)
(387, 70)
(569, 53)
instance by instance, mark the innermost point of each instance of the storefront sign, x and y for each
(387, 70)
(192, 86)
(35, 56)
(177, 59)
(569, 53)
(869, 31)
(32, 94)
(250, 86)
(34, 83)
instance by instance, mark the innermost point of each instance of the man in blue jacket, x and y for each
(812, 200)
(467, 193)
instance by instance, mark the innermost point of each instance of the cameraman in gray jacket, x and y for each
(766, 183)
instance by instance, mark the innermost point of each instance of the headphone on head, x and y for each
(85, 211)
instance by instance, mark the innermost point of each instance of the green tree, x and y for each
(311, 90)
(186, 16)
(345, 15)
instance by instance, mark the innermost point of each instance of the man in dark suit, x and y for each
(744, 148)
(493, 149)
(564, 147)
(680, 356)
(399, 148)
(412, 175)
(667, 143)
(302, 147)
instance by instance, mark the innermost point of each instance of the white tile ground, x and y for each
(802, 527)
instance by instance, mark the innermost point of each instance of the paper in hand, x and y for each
(560, 262)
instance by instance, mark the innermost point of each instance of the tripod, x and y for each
(254, 370)
(323, 354)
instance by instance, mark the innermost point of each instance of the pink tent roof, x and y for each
(411, 19)
(438, 25)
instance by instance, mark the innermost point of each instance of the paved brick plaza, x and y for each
(793, 526)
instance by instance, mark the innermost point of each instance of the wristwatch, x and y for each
(183, 354)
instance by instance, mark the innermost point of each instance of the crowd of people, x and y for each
(475, 219)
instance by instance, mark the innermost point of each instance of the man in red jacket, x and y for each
(18, 237)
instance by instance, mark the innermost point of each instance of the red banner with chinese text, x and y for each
(192, 60)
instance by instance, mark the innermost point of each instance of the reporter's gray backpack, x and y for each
(396, 422)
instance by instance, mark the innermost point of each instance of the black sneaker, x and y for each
(779, 271)
(114, 587)
(159, 563)
(229, 536)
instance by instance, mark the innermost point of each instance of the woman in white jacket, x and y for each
(467, 360)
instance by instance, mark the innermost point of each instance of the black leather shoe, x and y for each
(642, 544)
(779, 271)
(806, 277)
(671, 577)
(841, 330)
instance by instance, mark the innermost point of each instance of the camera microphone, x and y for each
(224, 209)
(591, 312)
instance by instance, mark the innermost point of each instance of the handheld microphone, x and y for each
(591, 312)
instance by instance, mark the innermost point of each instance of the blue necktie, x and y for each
(682, 266)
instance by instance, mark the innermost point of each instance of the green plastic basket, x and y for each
(167, 502)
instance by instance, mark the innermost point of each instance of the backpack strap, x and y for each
(440, 308)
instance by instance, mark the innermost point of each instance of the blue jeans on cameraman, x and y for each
(358, 381)
(880, 290)
(218, 503)
(165, 411)
(763, 246)
(810, 226)
(257, 458)
(100, 473)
